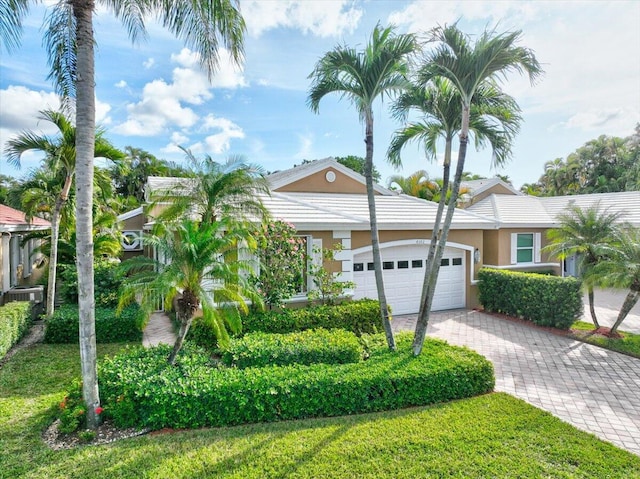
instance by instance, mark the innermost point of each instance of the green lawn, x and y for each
(628, 344)
(490, 436)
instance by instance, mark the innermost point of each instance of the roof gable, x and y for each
(322, 176)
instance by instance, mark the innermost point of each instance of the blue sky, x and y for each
(154, 96)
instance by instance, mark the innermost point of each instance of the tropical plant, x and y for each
(60, 163)
(70, 41)
(583, 232)
(282, 260)
(416, 184)
(327, 285)
(200, 269)
(470, 69)
(620, 268)
(363, 77)
(214, 190)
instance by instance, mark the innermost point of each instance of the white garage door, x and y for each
(403, 271)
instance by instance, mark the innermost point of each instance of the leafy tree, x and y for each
(620, 268)
(282, 256)
(8, 185)
(328, 287)
(469, 68)
(60, 161)
(213, 191)
(200, 269)
(70, 42)
(357, 164)
(583, 232)
(131, 173)
(362, 77)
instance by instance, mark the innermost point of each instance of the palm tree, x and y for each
(363, 77)
(469, 68)
(213, 191)
(60, 161)
(69, 39)
(583, 232)
(416, 184)
(620, 268)
(197, 254)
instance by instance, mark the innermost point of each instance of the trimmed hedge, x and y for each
(544, 300)
(361, 316)
(15, 319)
(62, 327)
(305, 347)
(140, 389)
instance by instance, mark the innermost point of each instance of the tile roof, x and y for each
(521, 211)
(12, 217)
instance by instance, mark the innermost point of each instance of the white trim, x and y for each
(130, 214)
(523, 265)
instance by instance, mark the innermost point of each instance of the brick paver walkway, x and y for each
(591, 388)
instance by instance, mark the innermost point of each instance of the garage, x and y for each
(403, 270)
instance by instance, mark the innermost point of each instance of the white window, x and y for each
(525, 248)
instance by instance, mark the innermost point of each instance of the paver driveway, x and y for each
(596, 390)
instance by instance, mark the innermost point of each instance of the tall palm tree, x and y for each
(583, 232)
(213, 191)
(196, 254)
(70, 41)
(470, 68)
(620, 268)
(364, 77)
(60, 161)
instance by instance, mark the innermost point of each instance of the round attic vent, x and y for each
(330, 176)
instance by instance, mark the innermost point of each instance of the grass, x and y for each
(628, 344)
(493, 436)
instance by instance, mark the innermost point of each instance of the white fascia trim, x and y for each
(22, 228)
(130, 214)
(522, 265)
(425, 242)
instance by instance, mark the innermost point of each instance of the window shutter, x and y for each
(537, 241)
(514, 248)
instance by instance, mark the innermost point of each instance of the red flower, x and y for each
(99, 410)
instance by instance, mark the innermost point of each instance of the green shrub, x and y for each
(304, 347)
(362, 316)
(545, 300)
(63, 326)
(142, 387)
(107, 278)
(15, 319)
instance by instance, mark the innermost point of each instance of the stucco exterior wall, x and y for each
(317, 183)
(498, 250)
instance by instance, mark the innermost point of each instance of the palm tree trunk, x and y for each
(592, 308)
(427, 285)
(375, 240)
(186, 307)
(425, 308)
(185, 324)
(629, 302)
(85, 142)
(53, 256)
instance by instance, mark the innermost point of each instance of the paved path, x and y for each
(607, 304)
(158, 330)
(591, 388)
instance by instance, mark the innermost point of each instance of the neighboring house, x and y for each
(524, 220)
(480, 189)
(327, 204)
(16, 260)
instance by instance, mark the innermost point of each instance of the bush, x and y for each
(62, 327)
(15, 319)
(141, 389)
(107, 279)
(305, 347)
(544, 300)
(362, 316)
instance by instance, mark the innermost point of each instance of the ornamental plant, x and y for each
(327, 285)
(283, 263)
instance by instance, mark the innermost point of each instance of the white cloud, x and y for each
(320, 18)
(148, 63)
(121, 84)
(220, 142)
(228, 75)
(21, 107)
(305, 152)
